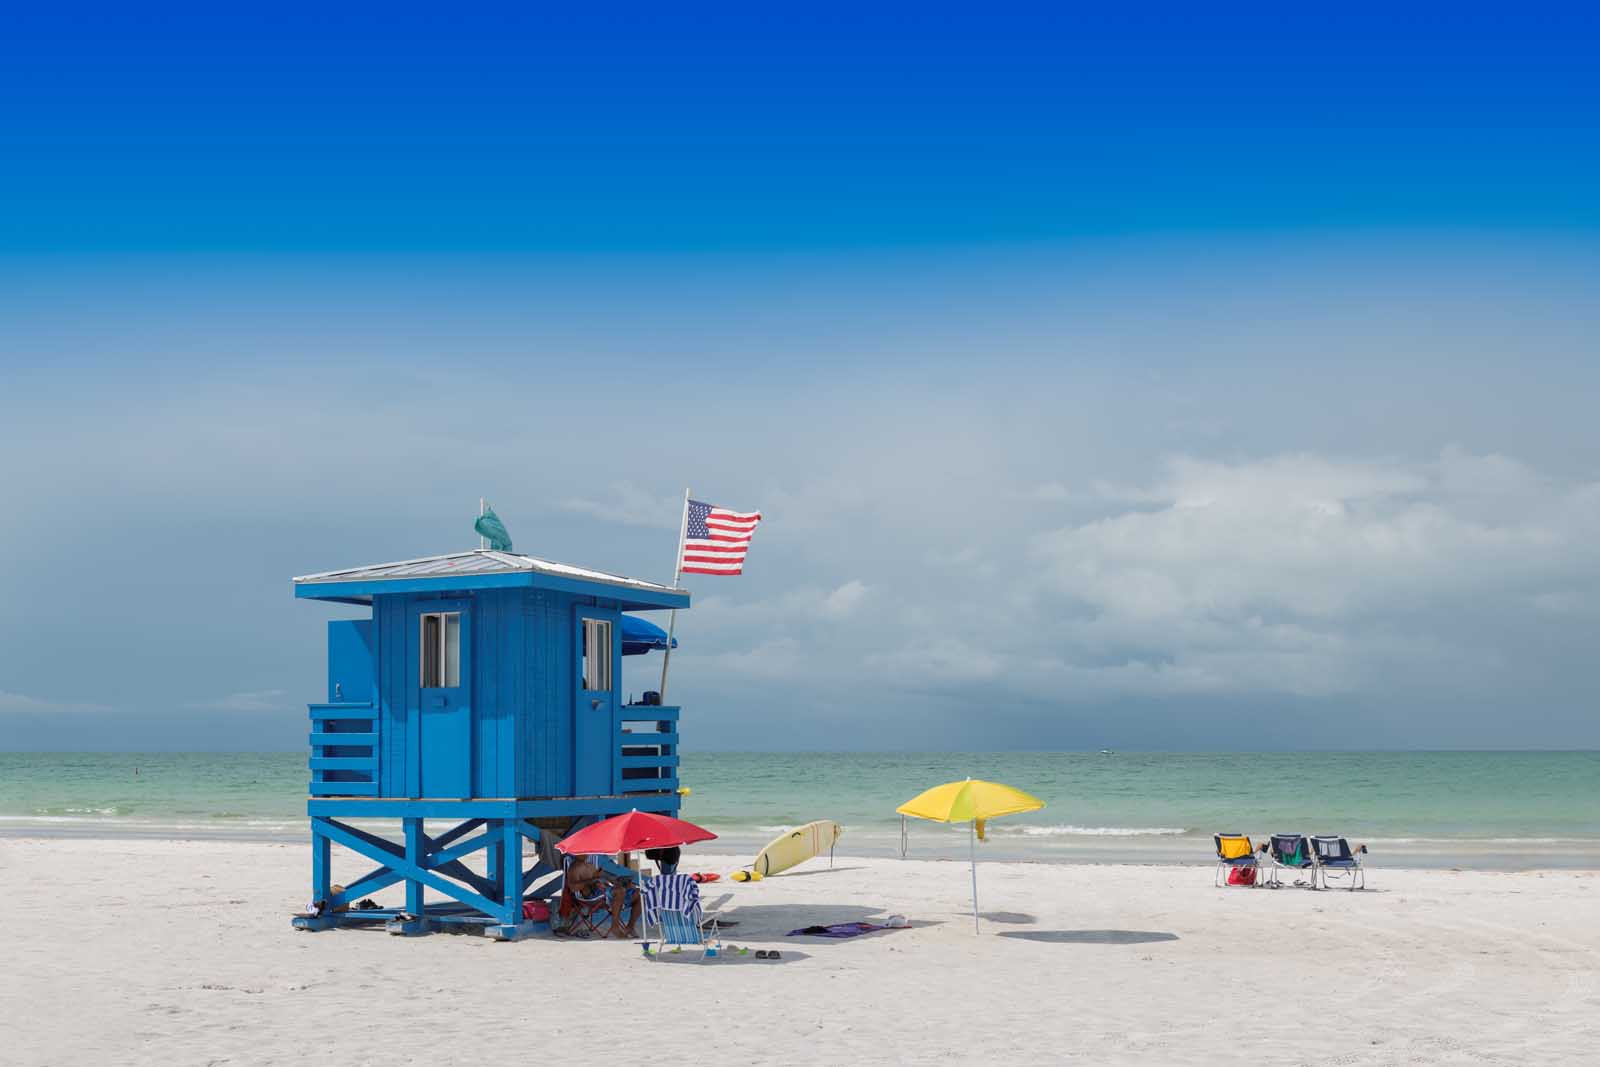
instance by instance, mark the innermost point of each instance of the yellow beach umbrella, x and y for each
(973, 801)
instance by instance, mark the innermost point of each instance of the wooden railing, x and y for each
(344, 750)
(647, 750)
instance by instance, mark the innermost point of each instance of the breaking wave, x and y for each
(1089, 831)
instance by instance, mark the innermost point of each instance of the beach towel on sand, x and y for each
(837, 930)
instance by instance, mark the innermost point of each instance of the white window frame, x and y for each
(449, 667)
(597, 633)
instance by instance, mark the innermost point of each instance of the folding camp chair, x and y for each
(672, 906)
(591, 914)
(1235, 853)
(1291, 852)
(1336, 859)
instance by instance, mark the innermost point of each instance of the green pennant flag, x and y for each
(491, 528)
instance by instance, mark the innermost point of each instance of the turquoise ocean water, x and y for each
(1471, 809)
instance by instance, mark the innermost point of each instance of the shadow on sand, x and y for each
(758, 921)
(819, 870)
(1091, 937)
(728, 959)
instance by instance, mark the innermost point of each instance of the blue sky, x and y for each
(383, 130)
(1162, 382)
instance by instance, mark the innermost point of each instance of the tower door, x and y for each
(598, 641)
(440, 662)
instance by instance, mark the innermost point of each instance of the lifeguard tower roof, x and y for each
(484, 569)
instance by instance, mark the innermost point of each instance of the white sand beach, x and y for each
(178, 952)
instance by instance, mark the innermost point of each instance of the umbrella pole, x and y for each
(972, 842)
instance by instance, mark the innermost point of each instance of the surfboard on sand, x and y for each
(797, 846)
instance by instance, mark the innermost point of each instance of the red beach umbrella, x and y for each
(633, 832)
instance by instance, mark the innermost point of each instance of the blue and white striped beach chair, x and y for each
(672, 906)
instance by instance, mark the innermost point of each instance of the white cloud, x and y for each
(1304, 574)
(630, 505)
(22, 703)
(250, 702)
(776, 660)
(1379, 583)
(1563, 602)
(843, 601)
(939, 662)
(968, 559)
(804, 604)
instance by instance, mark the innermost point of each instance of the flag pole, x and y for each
(677, 573)
(483, 509)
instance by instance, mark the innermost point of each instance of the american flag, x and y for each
(715, 539)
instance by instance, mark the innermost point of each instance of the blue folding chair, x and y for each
(1235, 853)
(672, 907)
(1336, 859)
(1292, 852)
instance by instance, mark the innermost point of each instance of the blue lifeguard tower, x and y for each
(482, 696)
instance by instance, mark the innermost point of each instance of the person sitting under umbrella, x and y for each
(620, 835)
(586, 887)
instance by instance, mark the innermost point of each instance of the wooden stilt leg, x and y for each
(321, 861)
(511, 865)
(418, 923)
(494, 860)
(321, 884)
(512, 925)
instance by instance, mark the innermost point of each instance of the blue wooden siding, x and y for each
(498, 668)
(484, 666)
(544, 742)
(489, 659)
(397, 773)
(523, 661)
(352, 661)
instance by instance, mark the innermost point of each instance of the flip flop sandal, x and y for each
(762, 954)
(774, 955)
